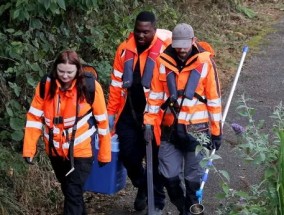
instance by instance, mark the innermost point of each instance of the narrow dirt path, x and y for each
(261, 79)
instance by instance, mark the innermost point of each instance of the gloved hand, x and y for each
(216, 141)
(111, 119)
(101, 164)
(148, 133)
(29, 160)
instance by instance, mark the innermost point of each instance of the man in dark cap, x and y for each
(185, 88)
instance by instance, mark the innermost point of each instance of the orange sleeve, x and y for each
(115, 89)
(100, 113)
(33, 128)
(155, 98)
(153, 113)
(213, 96)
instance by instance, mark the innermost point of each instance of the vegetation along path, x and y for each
(261, 80)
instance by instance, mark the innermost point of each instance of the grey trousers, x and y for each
(174, 162)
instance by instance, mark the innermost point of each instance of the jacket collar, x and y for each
(169, 58)
(59, 86)
(131, 44)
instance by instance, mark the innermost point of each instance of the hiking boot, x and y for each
(140, 200)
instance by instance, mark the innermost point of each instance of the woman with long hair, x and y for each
(70, 124)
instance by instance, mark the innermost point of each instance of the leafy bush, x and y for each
(265, 149)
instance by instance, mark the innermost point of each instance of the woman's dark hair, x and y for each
(71, 57)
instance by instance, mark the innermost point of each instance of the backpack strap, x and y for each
(42, 86)
(89, 82)
(203, 46)
(71, 143)
(196, 95)
(90, 75)
(91, 69)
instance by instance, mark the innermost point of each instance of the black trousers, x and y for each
(72, 185)
(132, 152)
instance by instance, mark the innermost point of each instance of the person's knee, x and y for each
(194, 176)
(172, 180)
(193, 173)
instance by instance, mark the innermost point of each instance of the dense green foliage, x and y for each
(35, 31)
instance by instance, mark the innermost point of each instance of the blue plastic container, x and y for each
(110, 178)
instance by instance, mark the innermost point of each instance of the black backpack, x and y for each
(90, 75)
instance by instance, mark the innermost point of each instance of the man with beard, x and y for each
(185, 88)
(130, 81)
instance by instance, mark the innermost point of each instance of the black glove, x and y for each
(216, 141)
(29, 160)
(148, 133)
(101, 164)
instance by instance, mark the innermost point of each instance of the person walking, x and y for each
(130, 82)
(70, 124)
(185, 100)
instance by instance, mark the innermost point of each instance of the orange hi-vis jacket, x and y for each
(192, 110)
(63, 106)
(118, 93)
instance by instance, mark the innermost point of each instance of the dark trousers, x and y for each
(72, 185)
(132, 152)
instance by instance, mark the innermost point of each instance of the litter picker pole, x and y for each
(245, 50)
(199, 193)
(150, 188)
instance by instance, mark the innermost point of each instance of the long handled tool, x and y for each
(198, 208)
(150, 188)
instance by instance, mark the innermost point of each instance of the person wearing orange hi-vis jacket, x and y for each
(130, 83)
(71, 116)
(184, 100)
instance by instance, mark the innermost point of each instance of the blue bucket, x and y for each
(110, 178)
